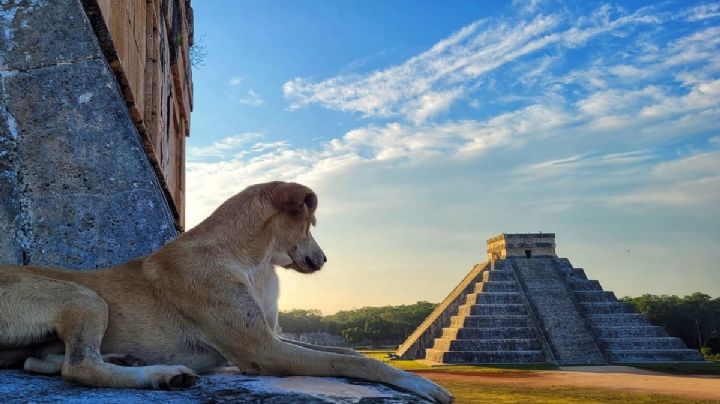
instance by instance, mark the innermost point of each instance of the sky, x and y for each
(428, 127)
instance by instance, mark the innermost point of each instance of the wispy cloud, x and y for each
(690, 181)
(430, 82)
(572, 128)
(228, 147)
(251, 98)
(703, 12)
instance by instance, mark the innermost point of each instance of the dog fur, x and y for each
(205, 298)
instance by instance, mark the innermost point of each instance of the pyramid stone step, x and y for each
(643, 331)
(607, 308)
(487, 333)
(660, 355)
(618, 320)
(498, 344)
(578, 273)
(583, 284)
(487, 309)
(490, 321)
(634, 344)
(594, 296)
(496, 286)
(484, 356)
(497, 275)
(471, 298)
(499, 298)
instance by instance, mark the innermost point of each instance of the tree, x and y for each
(694, 318)
(388, 325)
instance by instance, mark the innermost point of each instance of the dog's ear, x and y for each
(293, 198)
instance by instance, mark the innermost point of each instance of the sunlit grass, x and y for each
(477, 391)
(706, 368)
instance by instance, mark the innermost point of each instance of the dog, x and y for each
(205, 298)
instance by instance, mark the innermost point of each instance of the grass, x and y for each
(706, 368)
(472, 392)
(486, 392)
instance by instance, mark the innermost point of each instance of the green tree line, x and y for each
(694, 318)
(387, 325)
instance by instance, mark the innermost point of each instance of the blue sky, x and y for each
(428, 127)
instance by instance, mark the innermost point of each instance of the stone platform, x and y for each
(224, 387)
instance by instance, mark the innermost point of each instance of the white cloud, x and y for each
(703, 12)
(430, 82)
(251, 99)
(224, 148)
(527, 6)
(235, 81)
(593, 114)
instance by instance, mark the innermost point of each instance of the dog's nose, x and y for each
(311, 264)
(324, 258)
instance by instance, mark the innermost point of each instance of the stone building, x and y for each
(147, 44)
(96, 100)
(527, 305)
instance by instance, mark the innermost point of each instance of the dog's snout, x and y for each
(324, 258)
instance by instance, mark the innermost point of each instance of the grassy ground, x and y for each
(707, 368)
(482, 392)
(470, 392)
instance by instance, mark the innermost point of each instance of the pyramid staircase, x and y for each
(623, 335)
(492, 326)
(526, 305)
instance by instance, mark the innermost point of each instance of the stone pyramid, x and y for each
(527, 305)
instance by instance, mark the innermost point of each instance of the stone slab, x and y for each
(223, 387)
(36, 33)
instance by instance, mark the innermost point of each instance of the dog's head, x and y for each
(293, 245)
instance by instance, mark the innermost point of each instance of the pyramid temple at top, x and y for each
(527, 305)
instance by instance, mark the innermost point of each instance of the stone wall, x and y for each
(78, 189)
(147, 44)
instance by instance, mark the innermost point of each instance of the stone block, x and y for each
(37, 34)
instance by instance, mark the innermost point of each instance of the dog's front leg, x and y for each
(244, 337)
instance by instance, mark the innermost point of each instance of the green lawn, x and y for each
(481, 392)
(469, 392)
(707, 368)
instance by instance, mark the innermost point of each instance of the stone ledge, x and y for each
(223, 387)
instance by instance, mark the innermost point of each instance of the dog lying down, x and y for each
(207, 297)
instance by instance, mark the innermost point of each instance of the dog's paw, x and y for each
(124, 360)
(425, 388)
(170, 377)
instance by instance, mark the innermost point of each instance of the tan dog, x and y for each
(205, 298)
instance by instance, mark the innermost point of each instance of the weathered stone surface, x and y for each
(224, 387)
(563, 325)
(78, 190)
(38, 33)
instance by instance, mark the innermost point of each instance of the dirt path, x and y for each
(605, 377)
